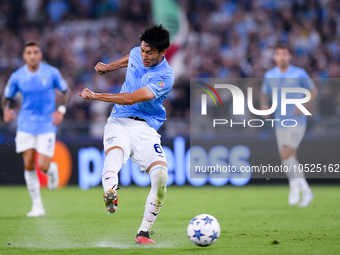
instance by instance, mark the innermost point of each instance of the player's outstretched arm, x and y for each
(58, 115)
(102, 68)
(139, 95)
(8, 113)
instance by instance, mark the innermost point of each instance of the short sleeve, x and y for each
(12, 87)
(160, 86)
(135, 51)
(58, 81)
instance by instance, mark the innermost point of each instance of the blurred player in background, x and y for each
(37, 120)
(289, 138)
(131, 130)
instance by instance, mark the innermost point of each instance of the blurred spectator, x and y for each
(56, 9)
(227, 38)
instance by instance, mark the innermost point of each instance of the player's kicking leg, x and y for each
(159, 176)
(112, 165)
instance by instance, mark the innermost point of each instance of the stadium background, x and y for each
(210, 39)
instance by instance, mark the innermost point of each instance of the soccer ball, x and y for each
(203, 230)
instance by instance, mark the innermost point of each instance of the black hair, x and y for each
(157, 37)
(281, 47)
(31, 43)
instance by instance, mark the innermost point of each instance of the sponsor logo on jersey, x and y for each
(161, 83)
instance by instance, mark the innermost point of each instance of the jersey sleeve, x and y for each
(306, 81)
(135, 51)
(59, 82)
(12, 87)
(160, 86)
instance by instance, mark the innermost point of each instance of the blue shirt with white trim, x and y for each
(159, 79)
(38, 97)
(292, 77)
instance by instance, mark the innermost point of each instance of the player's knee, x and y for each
(43, 166)
(29, 164)
(44, 163)
(286, 152)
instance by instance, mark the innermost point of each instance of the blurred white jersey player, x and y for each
(131, 130)
(289, 138)
(37, 120)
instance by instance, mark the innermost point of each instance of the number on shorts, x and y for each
(158, 148)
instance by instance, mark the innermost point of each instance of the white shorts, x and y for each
(138, 140)
(43, 144)
(290, 137)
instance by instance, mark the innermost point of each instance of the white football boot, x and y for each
(307, 197)
(37, 211)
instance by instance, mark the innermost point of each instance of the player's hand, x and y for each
(57, 118)
(9, 115)
(102, 68)
(86, 94)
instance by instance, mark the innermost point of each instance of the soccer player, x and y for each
(131, 130)
(289, 138)
(37, 120)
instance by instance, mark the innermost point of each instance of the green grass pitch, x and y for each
(252, 220)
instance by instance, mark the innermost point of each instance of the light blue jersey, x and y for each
(292, 77)
(38, 92)
(159, 79)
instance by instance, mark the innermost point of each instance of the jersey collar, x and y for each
(33, 73)
(279, 71)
